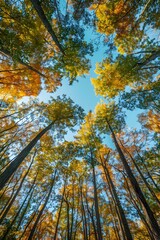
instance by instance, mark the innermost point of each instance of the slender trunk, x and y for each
(5, 130)
(18, 212)
(76, 227)
(24, 211)
(116, 230)
(76, 217)
(147, 171)
(9, 115)
(42, 209)
(147, 211)
(59, 214)
(6, 52)
(99, 229)
(16, 193)
(31, 219)
(72, 211)
(10, 198)
(7, 188)
(84, 220)
(139, 211)
(68, 221)
(92, 220)
(121, 215)
(153, 56)
(42, 16)
(5, 176)
(143, 178)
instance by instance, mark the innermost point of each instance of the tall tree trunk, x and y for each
(31, 219)
(42, 209)
(16, 193)
(116, 230)
(42, 16)
(68, 221)
(24, 211)
(72, 210)
(99, 229)
(7, 188)
(6, 52)
(59, 214)
(77, 223)
(5, 176)
(84, 220)
(147, 211)
(92, 220)
(153, 56)
(10, 198)
(139, 210)
(11, 114)
(121, 215)
(18, 212)
(143, 178)
(147, 171)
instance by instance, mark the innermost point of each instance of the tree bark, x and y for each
(5, 176)
(147, 211)
(68, 221)
(84, 220)
(6, 52)
(153, 56)
(126, 233)
(99, 229)
(143, 178)
(59, 214)
(18, 212)
(42, 16)
(16, 193)
(139, 210)
(24, 211)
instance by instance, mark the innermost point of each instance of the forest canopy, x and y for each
(68, 173)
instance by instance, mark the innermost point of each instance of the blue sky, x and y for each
(82, 93)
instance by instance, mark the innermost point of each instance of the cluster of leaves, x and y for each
(40, 43)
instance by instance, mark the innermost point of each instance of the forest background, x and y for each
(67, 173)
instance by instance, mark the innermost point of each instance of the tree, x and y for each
(147, 210)
(63, 113)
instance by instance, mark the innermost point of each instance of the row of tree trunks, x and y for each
(147, 210)
(5, 176)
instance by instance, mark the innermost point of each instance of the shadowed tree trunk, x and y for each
(125, 230)
(42, 16)
(135, 204)
(18, 212)
(16, 193)
(42, 209)
(147, 211)
(11, 195)
(59, 214)
(68, 221)
(140, 173)
(6, 52)
(5, 176)
(99, 229)
(24, 211)
(84, 220)
(92, 219)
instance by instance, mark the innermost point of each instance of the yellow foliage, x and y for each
(153, 121)
(18, 81)
(118, 17)
(109, 82)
